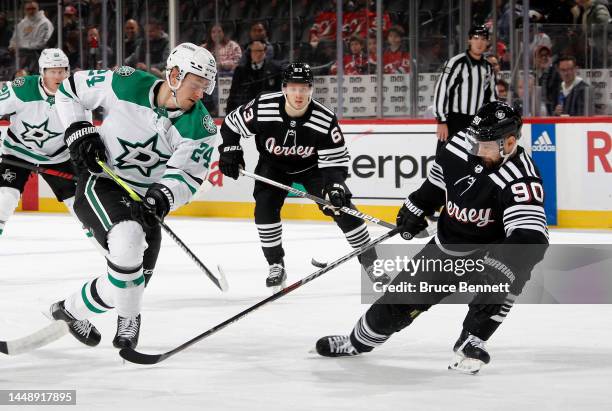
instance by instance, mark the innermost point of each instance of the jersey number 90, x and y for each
(523, 193)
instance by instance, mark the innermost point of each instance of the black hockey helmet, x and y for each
(478, 30)
(298, 73)
(495, 120)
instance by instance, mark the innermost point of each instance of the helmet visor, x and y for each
(481, 148)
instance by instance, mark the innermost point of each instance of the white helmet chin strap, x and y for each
(505, 157)
(172, 88)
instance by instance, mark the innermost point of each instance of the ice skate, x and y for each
(276, 277)
(128, 330)
(470, 354)
(82, 330)
(336, 346)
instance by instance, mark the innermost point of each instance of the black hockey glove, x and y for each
(335, 194)
(85, 146)
(154, 207)
(231, 159)
(410, 220)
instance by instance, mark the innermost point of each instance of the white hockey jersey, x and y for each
(145, 144)
(36, 133)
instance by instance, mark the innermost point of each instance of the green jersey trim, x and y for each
(182, 180)
(135, 88)
(28, 90)
(195, 124)
(25, 152)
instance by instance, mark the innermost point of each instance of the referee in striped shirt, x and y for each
(466, 84)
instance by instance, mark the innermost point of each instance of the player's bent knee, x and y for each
(9, 199)
(126, 244)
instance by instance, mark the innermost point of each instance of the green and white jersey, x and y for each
(36, 133)
(145, 144)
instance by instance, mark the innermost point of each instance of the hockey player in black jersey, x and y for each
(299, 140)
(492, 194)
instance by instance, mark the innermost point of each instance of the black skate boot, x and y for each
(336, 346)
(367, 262)
(82, 330)
(470, 354)
(128, 329)
(277, 276)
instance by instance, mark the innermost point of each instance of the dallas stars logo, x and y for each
(38, 134)
(144, 157)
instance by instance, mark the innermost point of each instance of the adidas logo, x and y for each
(543, 143)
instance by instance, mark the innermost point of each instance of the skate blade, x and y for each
(465, 365)
(277, 288)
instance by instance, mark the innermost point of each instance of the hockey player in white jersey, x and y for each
(158, 137)
(36, 134)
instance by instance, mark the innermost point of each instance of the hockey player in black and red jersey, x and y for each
(299, 140)
(492, 194)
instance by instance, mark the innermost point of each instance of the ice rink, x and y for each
(545, 357)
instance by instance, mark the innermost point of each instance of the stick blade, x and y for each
(136, 357)
(40, 338)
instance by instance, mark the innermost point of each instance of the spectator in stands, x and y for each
(5, 35)
(259, 74)
(72, 49)
(258, 32)
(592, 12)
(575, 94)
(71, 20)
(31, 36)
(372, 54)
(132, 38)
(547, 77)
(227, 52)
(431, 55)
(502, 87)
(20, 73)
(323, 58)
(594, 17)
(536, 105)
(494, 62)
(159, 49)
(355, 63)
(94, 50)
(395, 58)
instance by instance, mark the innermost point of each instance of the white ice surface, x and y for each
(547, 357)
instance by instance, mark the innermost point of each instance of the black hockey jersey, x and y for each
(291, 144)
(483, 206)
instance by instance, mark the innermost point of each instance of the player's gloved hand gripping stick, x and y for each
(153, 214)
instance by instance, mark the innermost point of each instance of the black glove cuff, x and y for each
(160, 192)
(78, 131)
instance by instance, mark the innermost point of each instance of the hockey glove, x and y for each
(335, 194)
(154, 207)
(85, 146)
(410, 220)
(231, 159)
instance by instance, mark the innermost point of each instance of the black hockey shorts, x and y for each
(17, 177)
(100, 203)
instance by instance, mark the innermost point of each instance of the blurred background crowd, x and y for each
(394, 43)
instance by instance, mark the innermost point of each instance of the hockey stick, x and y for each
(300, 193)
(344, 209)
(44, 336)
(220, 282)
(38, 169)
(141, 358)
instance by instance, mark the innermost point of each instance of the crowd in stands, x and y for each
(252, 40)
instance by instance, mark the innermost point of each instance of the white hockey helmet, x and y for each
(189, 58)
(52, 58)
